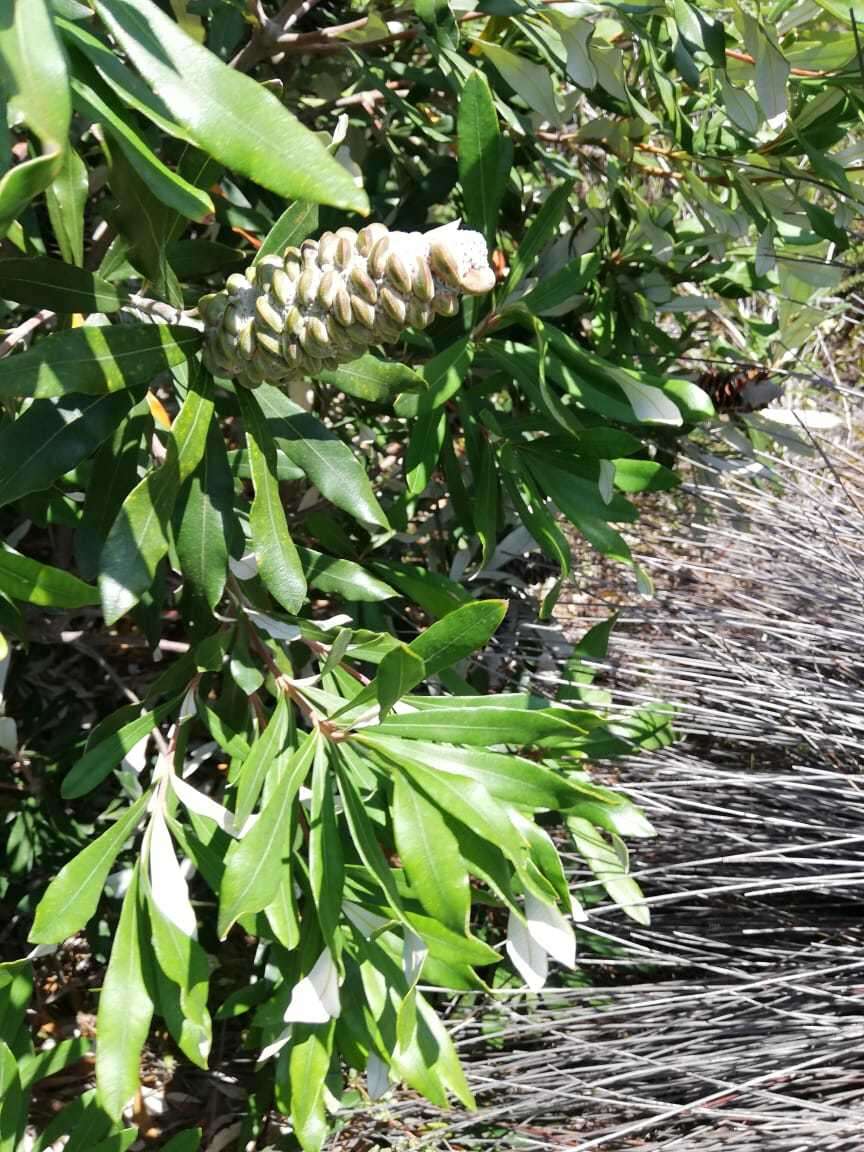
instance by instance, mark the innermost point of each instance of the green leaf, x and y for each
(610, 867)
(230, 116)
(143, 222)
(24, 579)
(424, 448)
(330, 465)
(13, 1102)
(94, 360)
(50, 1061)
(443, 375)
(182, 982)
(114, 472)
(206, 523)
(368, 378)
(298, 221)
(366, 841)
(481, 725)
(98, 761)
(430, 856)
(343, 578)
(533, 82)
(252, 878)
(188, 1141)
(51, 437)
(94, 101)
(326, 861)
(42, 282)
(552, 291)
(511, 779)
(36, 84)
(399, 671)
(72, 896)
(479, 155)
(539, 233)
(278, 560)
(462, 632)
(138, 539)
(82, 1120)
(308, 1065)
(263, 754)
(65, 200)
(125, 1010)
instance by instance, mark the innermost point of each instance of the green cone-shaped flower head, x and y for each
(327, 301)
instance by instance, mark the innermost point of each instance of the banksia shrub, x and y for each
(327, 301)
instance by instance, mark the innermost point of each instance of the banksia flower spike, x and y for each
(327, 301)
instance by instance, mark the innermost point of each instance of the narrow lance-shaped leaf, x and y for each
(207, 523)
(94, 360)
(65, 199)
(262, 756)
(275, 551)
(24, 579)
(125, 1009)
(479, 155)
(228, 115)
(308, 1065)
(72, 896)
(98, 761)
(430, 856)
(298, 221)
(52, 437)
(253, 865)
(326, 864)
(36, 81)
(138, 538)
(331, 466)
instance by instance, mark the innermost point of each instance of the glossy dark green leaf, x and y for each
(51, 437)
(230, 116)
(365, 840)
(308, 1065)
(275, 551)
(480, 726)
(424, 447)
(430, 856)
(343, 578)
(512, 779)
(99, 759)
(43, 282)
(399, 671)
(443, 376)
(125, 1010)
(369, 378)
(36, 84)
(96, 103)
(24, 579)
(479, 155)
(113, 475)
(461, 633)
(298, 221)
(263, 754)
(72, 896)
(330, 464)
(538, 235)
(207, 522)
(326, 860)
(65, 199)
(13, 1101)
(252, 878)
(138, 539)
(94, 360)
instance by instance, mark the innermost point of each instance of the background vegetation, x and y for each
(283, 592)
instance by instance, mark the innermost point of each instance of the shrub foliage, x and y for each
(316, 803)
